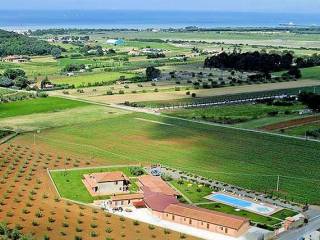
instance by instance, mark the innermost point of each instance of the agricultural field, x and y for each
(30, 203)
(85, 79)
(231, 114)
(245, 156)
(38, 105)
(311, 73)
(300, 131)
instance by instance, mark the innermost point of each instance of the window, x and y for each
(201, 223)
(172, 217)
(226, 230)
(116, 182)
(208, 225)
(184, 219)
(129, 201)
(190, 221)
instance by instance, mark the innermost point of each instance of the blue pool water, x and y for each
(241, 204)
(231, 200)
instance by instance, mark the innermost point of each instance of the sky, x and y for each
(284, 6)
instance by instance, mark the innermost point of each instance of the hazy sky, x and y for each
(305, 6)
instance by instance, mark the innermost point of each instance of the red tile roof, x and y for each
(205, 215)
(95, 178)
(127, 197)
(157, 185)
(158, 201)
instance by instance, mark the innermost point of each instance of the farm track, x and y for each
(291, 123)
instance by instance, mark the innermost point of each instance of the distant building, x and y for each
(16, 59)
(116, 42)
(107, 183)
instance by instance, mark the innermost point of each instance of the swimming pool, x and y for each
(242, 204)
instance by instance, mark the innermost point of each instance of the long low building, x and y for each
(161, 199)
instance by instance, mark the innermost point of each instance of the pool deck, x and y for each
(262, 204)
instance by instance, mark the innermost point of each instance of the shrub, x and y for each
(35, 224)
(136, 223)
(93, 234)
(108, 230)
(136, 171)
(45, 237)
(121, 92)
(93, 225)
(39, 214)
(65, 225)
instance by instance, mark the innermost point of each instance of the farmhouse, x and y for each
(116, 42)
(127, 200)
(106, 183)
(16, 59)
(156, 195)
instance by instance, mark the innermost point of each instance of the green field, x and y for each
(194, 192)
(38, 105)
(301, 130)
(251, 160)
(311, 73)
(4, 91)
(85, 79)
(70, 185)
(233, 113)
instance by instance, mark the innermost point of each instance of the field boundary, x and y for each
(54, 185)
(8, 138)
(241, 129)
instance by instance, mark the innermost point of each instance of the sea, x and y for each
(112, 19)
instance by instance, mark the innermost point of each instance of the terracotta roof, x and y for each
(158, 201)
(205, 215)
(127, 197)
(156, 184)
(105, 177)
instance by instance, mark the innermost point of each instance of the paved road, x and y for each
(296, 234)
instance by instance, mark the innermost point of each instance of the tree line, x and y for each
(251, 61)
(16, 44)
(308, 61)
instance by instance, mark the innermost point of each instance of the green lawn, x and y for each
(70, 185)
(37, 105)
(85, 79)
(233, 113)
(192, 191)
(247, 159)
(284, 213)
